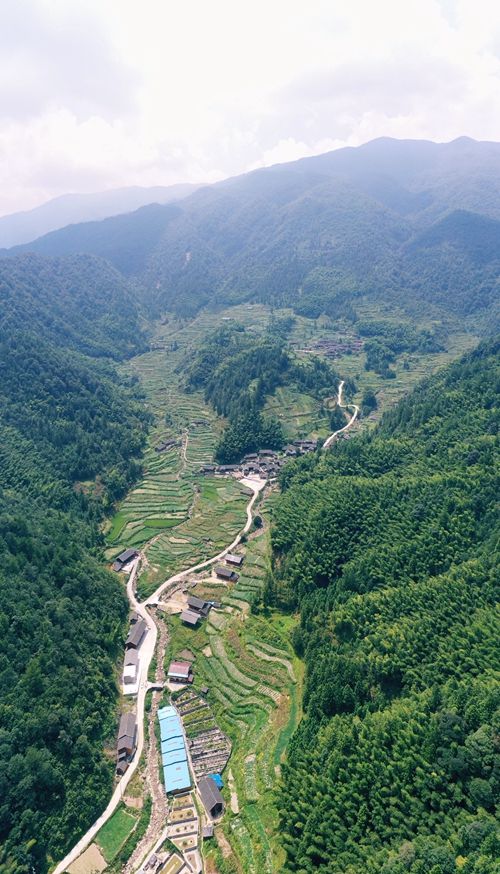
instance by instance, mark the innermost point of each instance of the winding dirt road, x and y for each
(329, 440)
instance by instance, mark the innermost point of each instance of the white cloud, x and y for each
(102, 93)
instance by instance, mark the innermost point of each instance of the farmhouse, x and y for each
(136, 635)
(180, 672)
(189, 617)
(127, 730)
(124, 558)
(226, 573)
(198, 605)
(130, 667)
(234, 559)
(211, 797)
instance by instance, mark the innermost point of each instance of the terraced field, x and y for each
(254, 681)
(177, 518)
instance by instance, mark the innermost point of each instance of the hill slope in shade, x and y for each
(21, 227)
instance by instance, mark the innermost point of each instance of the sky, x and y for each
(98, 94)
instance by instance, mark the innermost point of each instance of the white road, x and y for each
(328, 442)
(147, 652)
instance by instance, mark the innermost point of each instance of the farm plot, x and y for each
(115, 832)
(254, 680)
(250, 584)
(209, 747)
(299, 413)
(217, 514)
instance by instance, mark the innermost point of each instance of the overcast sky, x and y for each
(98, 94)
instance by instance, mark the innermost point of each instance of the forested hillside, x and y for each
(412, 221)
(389, 548)
(239, 369)
(70, 435)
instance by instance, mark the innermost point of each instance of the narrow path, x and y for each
(148, 649)
(328, 442)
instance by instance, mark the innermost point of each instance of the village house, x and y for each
(225, 573)
(126, 743)
(189, 617)
(198, 605)
(124, 558)
(136, 635)
(213, 801)
(234, 559)
(180, 672)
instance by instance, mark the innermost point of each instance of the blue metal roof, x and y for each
(170, 728)
(173, 743)
(177, 777)
(217, 780)
(173, 756)
(167, 712)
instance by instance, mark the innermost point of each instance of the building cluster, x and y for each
(177, 777)
(197, 609)
(267, 463)
(335, 348)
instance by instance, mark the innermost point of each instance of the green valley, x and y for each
(169, 379)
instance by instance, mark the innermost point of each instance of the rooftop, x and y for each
(210, 794)
(189, 617)
(177, 777)
(179, 669)
(127, 555)
(127, 725)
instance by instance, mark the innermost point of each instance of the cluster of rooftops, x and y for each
(197, 608)
(265, 463)
(173, 751)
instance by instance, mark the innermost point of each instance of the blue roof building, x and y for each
(173, 751)
(177, 777)
(173, 743)
(173, 757)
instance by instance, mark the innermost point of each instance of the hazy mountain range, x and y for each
(22, 227)
(413, 219)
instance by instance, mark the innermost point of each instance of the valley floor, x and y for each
(242, 653)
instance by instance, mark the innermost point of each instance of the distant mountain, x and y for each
(127, 241)
(410, 220)
(22, 227)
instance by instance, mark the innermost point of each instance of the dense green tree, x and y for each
(388, 548)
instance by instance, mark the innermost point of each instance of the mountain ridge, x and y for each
(75, 208)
